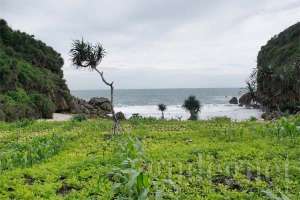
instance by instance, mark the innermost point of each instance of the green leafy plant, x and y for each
(130, 179)
(27, 154)
(45, 107)
(272, 196)
(79, 118)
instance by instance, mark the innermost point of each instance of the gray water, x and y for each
(215, 102)
(140, 97)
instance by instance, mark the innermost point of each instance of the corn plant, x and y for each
(286, 128)
(131, 180)
(27, 154)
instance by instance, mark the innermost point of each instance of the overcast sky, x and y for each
(157, 43)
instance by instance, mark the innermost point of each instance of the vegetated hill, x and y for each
(278, 71)
(31, 78)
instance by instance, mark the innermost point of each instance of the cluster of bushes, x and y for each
(18, 105)
(26, 47)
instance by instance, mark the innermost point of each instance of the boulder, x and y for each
(120, 116)
(96, 107)
(271, 115)
(101, 103)
(61, 104)
(233, 100)
(245, 100)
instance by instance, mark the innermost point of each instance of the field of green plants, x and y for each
(152, 159)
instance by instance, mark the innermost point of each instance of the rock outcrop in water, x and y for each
(233, 100)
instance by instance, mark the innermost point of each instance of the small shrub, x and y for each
(18, 105)
(221, 119)
(24, 123)
(19, 96)
(120, 116)
(253, 119)
(15, 111)
(44, 106)
(2, 115)
(136, 116)
(79, 118)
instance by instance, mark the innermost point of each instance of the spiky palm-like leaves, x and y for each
(162, 108)
(193, 105)
(86, 55)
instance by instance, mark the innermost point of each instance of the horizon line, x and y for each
(159, 88)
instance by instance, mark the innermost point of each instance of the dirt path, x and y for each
(61, 117)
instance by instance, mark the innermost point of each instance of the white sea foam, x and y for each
(208, 111)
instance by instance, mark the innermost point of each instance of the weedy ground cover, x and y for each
(216, 159)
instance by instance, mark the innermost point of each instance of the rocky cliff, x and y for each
(31, 77)
(278, 71)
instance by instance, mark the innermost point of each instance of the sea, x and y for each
(215, 102)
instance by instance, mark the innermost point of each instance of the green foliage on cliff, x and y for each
(25, 47)
(278, 71)
(32, 71)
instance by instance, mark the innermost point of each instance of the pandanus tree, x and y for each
(192, 105)
(87, 55)
(162, 108)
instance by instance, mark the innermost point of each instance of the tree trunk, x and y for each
(116, 125)
(194, 115)
(162, 115)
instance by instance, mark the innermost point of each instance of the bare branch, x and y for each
(103, 79)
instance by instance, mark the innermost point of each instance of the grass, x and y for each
(154, 159)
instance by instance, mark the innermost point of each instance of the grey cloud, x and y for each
(158, 40)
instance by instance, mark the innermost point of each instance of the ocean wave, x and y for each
(208, 111)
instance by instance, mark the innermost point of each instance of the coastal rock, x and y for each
(120, 116)
(61, 104)
(245, 100)
(101, 103)
(233, 100)
(96, 107)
